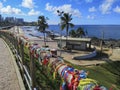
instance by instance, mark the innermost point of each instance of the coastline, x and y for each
(96, 63)
(68, 56)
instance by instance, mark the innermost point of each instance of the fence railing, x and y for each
(18, 51)
(72, 78)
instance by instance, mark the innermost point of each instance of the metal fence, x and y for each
(18, 51)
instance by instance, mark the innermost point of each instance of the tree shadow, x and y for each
(114, 68)
(99, 57)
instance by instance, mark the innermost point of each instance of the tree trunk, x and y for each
(44, 39)
(67, 34)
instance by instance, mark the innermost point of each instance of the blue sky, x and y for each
(83, 11)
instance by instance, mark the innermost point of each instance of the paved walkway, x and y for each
(68, 56)
(115, 56)
(9, 79)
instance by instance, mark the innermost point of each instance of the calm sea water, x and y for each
(110, 31)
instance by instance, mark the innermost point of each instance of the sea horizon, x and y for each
(110, 31)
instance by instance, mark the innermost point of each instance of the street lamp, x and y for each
(60, 13)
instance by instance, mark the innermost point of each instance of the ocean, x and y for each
(109, 31)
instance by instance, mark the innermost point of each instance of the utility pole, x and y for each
(60, 14)
(101, 44)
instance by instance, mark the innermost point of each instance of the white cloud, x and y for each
(117, 9)
(106, 6)
(28, 4)
(67, 8)
(49, 8)
(92, 9)
(9, 10)
(33, 12)
(52, 22)
(1, 5)
(91, 17)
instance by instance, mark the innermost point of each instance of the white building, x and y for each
(75, 43)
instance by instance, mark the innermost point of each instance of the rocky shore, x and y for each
(107, 43)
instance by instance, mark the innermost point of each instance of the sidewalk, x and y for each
(68, 56)
(10, 78)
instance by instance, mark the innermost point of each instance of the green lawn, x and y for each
(107, 74)
(44, 78)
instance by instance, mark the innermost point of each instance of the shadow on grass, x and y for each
(99, 57)
(68, 51)
(114, 68)
(44, 78)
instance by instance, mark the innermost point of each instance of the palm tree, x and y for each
(80, 32)
(66, 23)
(72, 33)
(42, 23)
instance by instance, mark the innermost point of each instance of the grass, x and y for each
(44, 78)
(107, 74)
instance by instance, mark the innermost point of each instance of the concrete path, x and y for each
(115, 56)
(9, 74)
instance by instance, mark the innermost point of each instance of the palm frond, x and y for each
(42, 23)
(80, 32)
(63, 26)
(63, 19)
(72, 33)
(71, 25)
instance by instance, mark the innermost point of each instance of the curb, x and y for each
(20, 81)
